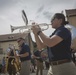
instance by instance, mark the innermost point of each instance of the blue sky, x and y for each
(39, 11)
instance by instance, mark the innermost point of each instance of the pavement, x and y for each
(44, 73)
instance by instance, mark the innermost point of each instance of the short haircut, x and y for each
(60, 16)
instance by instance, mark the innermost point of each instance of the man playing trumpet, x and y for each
(58, 45)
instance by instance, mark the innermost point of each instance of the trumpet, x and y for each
(43, 26)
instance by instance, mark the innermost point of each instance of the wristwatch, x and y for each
(39, 32)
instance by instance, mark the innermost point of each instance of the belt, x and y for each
(59, 62)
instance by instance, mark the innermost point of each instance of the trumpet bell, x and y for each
(12, 28)
(17, 27)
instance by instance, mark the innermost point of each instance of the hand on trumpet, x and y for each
(35, 28)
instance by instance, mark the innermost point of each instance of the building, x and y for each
(71, 17)
(7, 39)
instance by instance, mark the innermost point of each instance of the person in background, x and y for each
(3, 64)
(73, 55)
(11, 59)
(58, 45)
(47, 65)
(33, 65)
(39, 62)
(25, 56)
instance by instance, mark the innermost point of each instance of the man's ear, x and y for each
(60, 21)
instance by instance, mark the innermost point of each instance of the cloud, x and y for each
(7, 3)
(40, 9)
(47, 14)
